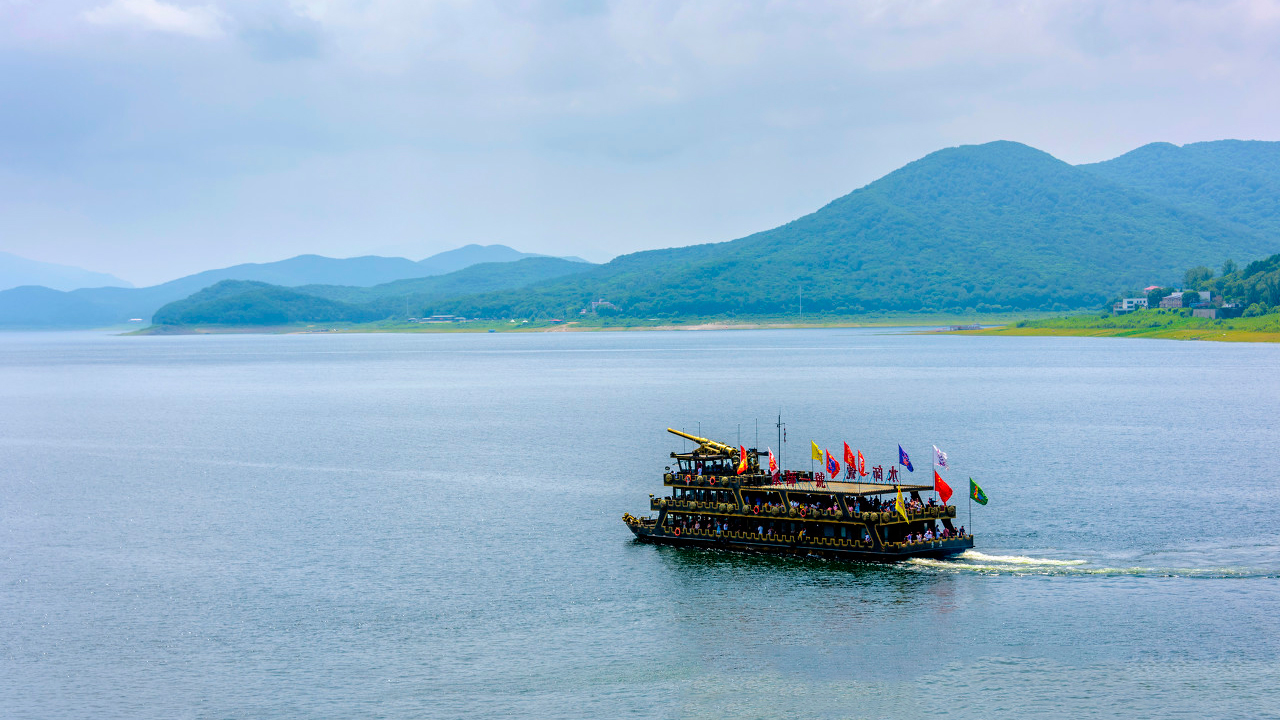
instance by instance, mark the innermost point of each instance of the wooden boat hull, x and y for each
(820, 547)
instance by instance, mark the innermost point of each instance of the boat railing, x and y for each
(800, 513)
(765, 537)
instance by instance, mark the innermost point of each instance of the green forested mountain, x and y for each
(88, 307)
(986, 227)
(485, 277)
(992, 227)
(233, 302)
(247, 302)
(1237, 181)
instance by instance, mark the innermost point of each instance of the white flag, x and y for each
(939, 457)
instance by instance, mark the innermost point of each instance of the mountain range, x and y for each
(18, 271)
(994, 227)
(236, 302)
(35, 306)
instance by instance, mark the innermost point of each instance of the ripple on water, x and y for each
(979, 562)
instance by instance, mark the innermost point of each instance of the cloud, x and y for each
(584, 127)
(202, 21)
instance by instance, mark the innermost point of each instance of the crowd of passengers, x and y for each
(704, 495)
(797, 505)
(769, 529)
(931, 534)
(860, 504)
(724, 525)
(886, 505)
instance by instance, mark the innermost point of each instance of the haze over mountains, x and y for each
(17, 271)
(44, 307)
(994, 227)
(235, 302)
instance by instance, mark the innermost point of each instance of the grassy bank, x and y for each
(1165, 324)
(598, 324)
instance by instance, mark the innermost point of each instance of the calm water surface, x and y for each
(423, 526)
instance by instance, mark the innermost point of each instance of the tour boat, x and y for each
(720, 498)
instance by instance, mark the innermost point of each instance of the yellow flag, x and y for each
(816, 453)
(901, 507)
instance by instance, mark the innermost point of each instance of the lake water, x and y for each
(428, 526)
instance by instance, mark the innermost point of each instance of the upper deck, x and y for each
(801, 482)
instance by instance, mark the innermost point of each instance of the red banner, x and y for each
(944, 490)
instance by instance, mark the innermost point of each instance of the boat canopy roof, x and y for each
(838, 486)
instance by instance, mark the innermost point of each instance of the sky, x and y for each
(155, 138)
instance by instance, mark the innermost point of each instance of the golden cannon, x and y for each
(705, 446)
(711, 450)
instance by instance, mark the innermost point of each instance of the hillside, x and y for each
(992, 227)
(253, 303)
(107, 305)
(1233, 180)
(19, 271)
(237, 302)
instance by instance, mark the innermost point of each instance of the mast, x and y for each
(779, 440)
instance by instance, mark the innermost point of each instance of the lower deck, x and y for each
(648, 531)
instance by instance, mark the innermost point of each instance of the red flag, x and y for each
(944, 490)
(742, 462)
(833, 467)
(862, 464)
(849, 458)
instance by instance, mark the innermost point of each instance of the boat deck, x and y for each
(839, 486)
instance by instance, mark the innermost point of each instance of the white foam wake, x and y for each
(974, 561)
(1014, 559)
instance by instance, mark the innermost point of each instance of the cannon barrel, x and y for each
(705, 444)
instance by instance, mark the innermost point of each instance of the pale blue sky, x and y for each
(154, 138)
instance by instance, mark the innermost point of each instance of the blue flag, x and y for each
(904, 460)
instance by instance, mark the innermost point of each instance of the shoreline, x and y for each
(1156, 325)
(939, 323)
(1206, 334)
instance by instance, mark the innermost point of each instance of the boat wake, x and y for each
(1015, 559)
(978, 562)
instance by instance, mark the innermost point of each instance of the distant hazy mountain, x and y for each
(1233, 180)
(18, 271)
(989, 227)
(468, 255)
(234, 302)
(101, 306)
(309, 269)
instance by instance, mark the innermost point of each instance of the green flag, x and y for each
(976, 494)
